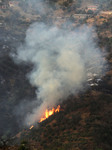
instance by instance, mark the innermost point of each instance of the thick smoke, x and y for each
(61, 60)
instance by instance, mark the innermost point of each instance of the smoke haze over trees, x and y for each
(53, 57)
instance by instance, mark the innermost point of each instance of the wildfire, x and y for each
(49, 113)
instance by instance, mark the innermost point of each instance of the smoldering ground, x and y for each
(60, 61)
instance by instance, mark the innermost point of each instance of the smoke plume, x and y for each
(61, 59)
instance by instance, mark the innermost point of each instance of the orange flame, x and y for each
(49, 113)
(31, 127)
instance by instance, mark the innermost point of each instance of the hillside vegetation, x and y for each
(85, 120)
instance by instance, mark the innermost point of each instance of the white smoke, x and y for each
(61, 59)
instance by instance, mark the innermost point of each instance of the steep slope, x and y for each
(83, 123)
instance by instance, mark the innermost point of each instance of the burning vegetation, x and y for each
(31, 127)
(49, 113)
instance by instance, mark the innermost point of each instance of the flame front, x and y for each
(49, 113)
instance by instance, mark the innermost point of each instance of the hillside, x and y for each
(85, 120)
(83, 123)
